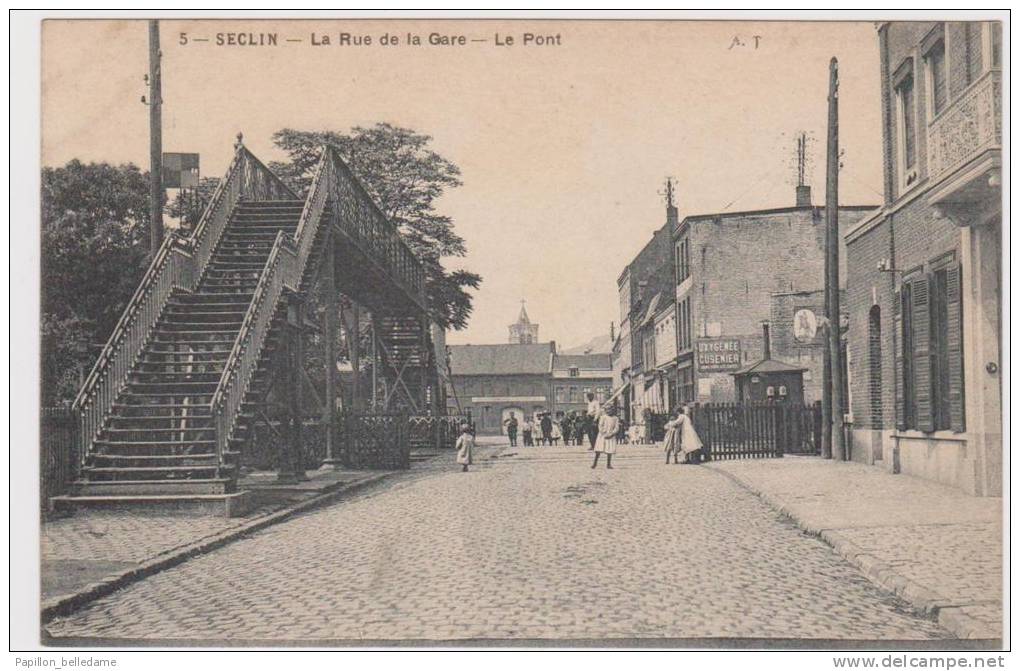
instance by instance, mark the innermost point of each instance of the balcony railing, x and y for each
(971, 125)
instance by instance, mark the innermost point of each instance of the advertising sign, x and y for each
(718, 355)
(180, 171)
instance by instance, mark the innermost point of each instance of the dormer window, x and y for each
(574, 371)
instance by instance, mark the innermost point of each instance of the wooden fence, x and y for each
(749, 431)
(58, 459)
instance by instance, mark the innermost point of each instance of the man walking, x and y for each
(511, 429)
(546, 424)
(591, 424)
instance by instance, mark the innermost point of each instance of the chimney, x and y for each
(766, 342)
(803, 195)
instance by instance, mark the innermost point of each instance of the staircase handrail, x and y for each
(284, 269)
(178, 264)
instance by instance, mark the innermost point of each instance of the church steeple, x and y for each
(522, 318)
(523, 332)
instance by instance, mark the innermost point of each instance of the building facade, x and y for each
(924, 280)
(574, 376)
(798, 340)
(644, 286)
(729, 266)
(491, 382)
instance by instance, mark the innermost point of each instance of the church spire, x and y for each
(522, 318)
(523, 332)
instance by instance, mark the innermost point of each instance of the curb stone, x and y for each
(950, 616)
(68, 604)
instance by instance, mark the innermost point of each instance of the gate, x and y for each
(752, 431)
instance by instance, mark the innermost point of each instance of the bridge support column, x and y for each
(291, 467)
(330, 330)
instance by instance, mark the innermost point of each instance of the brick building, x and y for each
(574, 376)
(643, 286)
(492, 381)
(924, 280)
(728, 267)
(792, 340)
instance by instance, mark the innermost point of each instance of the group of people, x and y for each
(571, 428)
(602, 427)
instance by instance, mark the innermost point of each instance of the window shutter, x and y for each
(901, 417)
(921, 322)
(954, 346)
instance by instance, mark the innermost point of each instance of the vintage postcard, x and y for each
(563, 332)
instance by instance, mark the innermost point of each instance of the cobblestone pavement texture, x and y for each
(97, 544)
(944, 540)
(531, 543)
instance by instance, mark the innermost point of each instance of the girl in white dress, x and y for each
(609, 427)
(465, 445)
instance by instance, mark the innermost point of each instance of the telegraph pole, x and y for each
(837, 444)
(155, 142)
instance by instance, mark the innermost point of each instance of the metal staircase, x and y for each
(169, 405)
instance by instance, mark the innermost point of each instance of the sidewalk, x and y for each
(95, 552)
(939, 549)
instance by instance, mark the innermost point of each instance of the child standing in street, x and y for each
(605, 443)
(465, 445)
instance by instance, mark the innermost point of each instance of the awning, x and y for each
(615, 394)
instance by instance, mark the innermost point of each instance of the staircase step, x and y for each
(159, 423)
(211, 301)
(151, 470)
(177, 487)
(234, 504)
(137, 458)
(152, 443)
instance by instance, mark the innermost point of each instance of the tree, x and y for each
(404, 176)
(190, 205)
(94, 251)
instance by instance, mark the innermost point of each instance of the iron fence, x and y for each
(58, 458)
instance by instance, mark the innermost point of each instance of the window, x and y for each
(974, 43)
(561, 394)
(939, 351)
(683, 259)
(573, 395)
(908, 132)
(574, 371)
(685, 384)
(938, 93)
(684, 325)
(909, 411)
(931, 353)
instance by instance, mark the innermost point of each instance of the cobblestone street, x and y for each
(530, 544)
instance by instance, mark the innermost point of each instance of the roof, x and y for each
(769, 366)
(503, 359)
(583, 361)
(650, 312)
(776, 210)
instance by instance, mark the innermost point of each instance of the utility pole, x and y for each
(837, 444)
(155, 142)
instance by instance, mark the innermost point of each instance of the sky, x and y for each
(564, 148)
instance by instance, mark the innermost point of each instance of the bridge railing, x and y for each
(376, 236)
(177, 265)
(283, 270)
